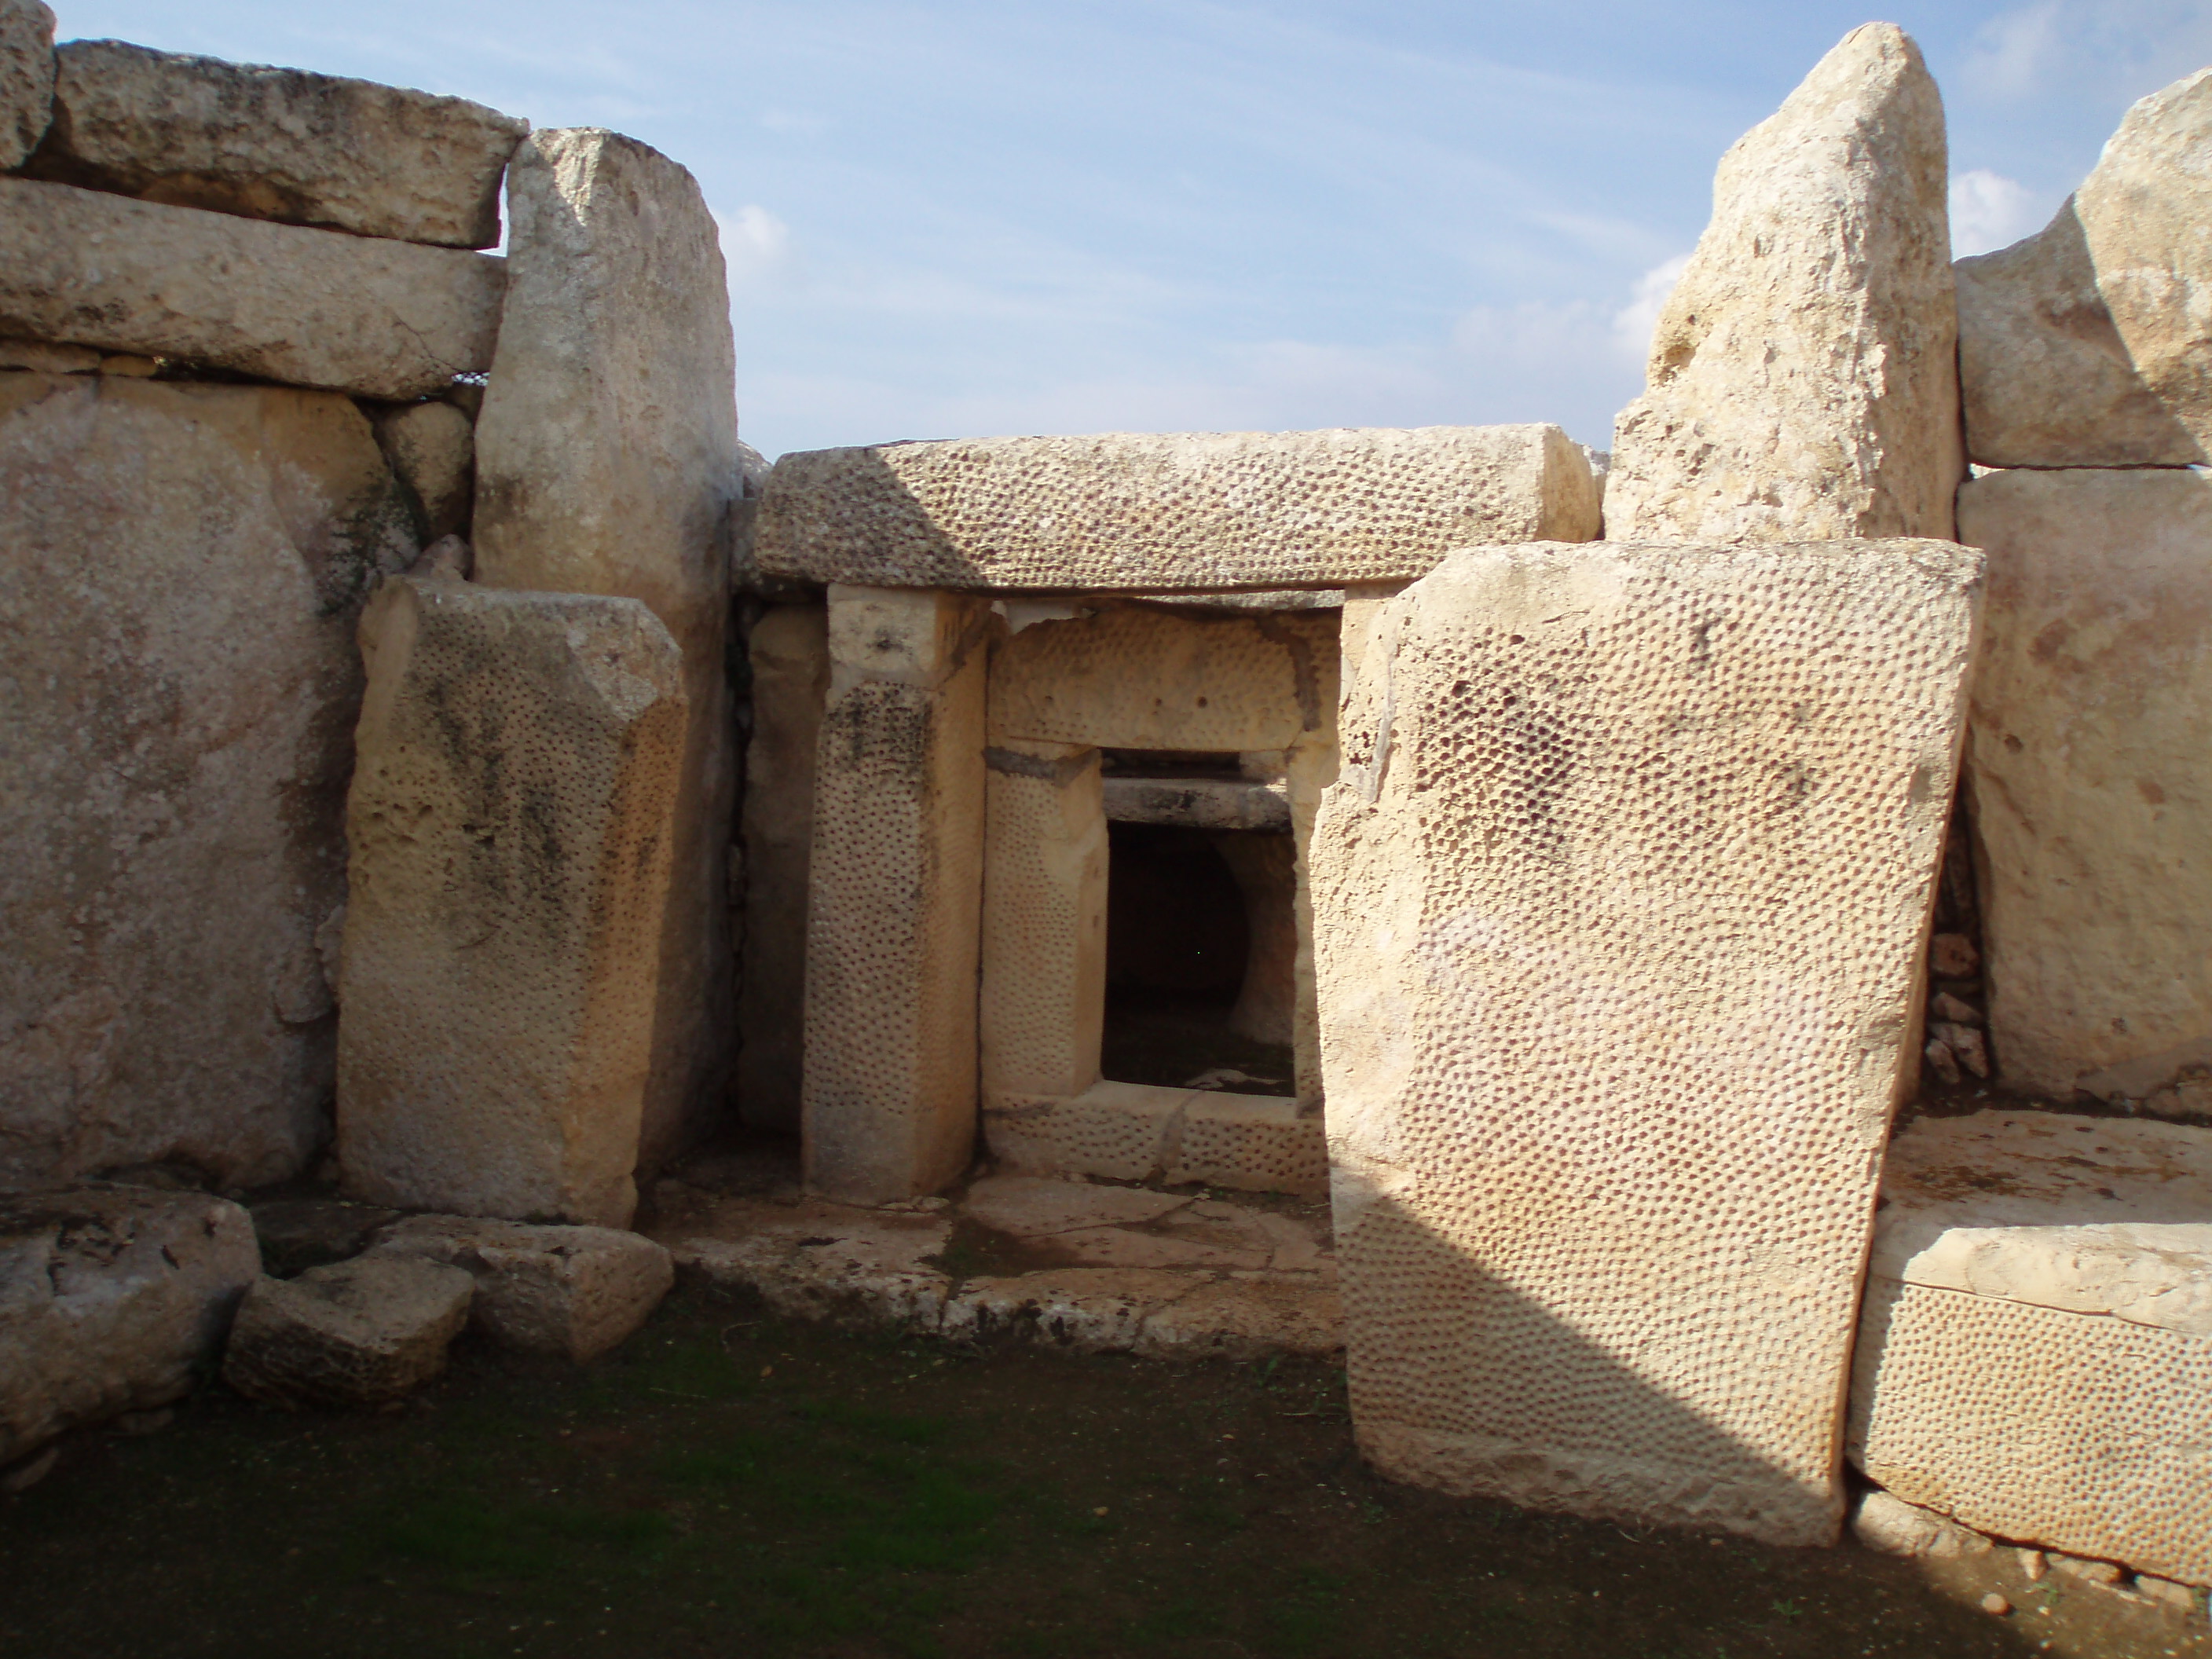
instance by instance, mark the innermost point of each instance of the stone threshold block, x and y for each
(308, 308)
(276, 144)
(511, 825)
(894, 913)
(2090, 779)
(2035, 1354)
(1175, 512)
(1139, 1132)
(1620, 903)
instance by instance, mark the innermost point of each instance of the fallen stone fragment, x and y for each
(277, 144)
(2183, 1598)
(1965, 1043)
(111, 1299)
(1893, 1527)
(1087, 1309)
(2087, 344)
(432, 449)
(1953, 956)
(2104, 1574)
(572, 1291)
(360, 1333)
(296, 1234)
(377, 319)
(1945, 1006)
(1995, 1604)
(1804, 382)
(1944, 1062)
(2032, 1565)
(27, 78)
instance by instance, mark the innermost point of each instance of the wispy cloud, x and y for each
(755, 245)
(1989, 211)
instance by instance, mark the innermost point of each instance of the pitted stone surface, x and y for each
(1119, 1130)
(2080, 1433)
(1169, 512)
(1804, 382)
(1618, 907)
(572, 1291)
(111, 1299)
(360, 1333)
(346, 314)
(27, 78)
(510, 821)
(1255, 1143)
(277, 144)
(2091, 698)
(2085, 344)
(2090, 1215)
(607, 463)
(184, 566)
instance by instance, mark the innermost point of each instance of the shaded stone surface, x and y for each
(185, 565)
(432, 449)
(299, 1233)
(355, 1333)
(571, 1290)
(346, 313)
(277, 144)
(1804, 382)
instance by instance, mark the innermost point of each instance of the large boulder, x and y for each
(607, 463)
(348, 314)
(184, 566)
(1802, 383)
(572, 1291)
(111, 1299)
(2089, 344)
(277, 144)
(27, 78)
(362, 1332)
(513, 804)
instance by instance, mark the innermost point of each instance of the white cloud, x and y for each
(1633, 323)
(1989, 211)
(2012, 51)
(756, 244)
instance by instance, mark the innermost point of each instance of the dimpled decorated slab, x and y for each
(1617, 904)
(1167, 512)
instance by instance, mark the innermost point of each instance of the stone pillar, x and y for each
(607, 463)
(1043, 1003)
(896, 895)
(511, 821)
(790, 656)
(2090, 780)
(1620, 903)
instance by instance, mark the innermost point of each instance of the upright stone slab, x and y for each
(510, 820)
(183, 568)
(790, 656)
(277, 144)
(1619, 906)
(27, 78)
(2090, 343)
(2090, 775)
(1804, 381)
(607, 463)
(896, 881)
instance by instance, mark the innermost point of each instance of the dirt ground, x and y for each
(728, 1484)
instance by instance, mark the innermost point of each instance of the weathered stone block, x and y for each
(185, 565)
(2089, 772)
(2087, 343)
(2035, 1353)
(432, 449)
(360, 1333)
(790, 656)
(111, 1299)
(894, 913)
(277, 144)
(1618, 910)
(1252, 1143)
(27, 78)
(510, 820)
(607, 463)
(1136, 512)
(379, 319)
(1804, 382)
(571, 1290)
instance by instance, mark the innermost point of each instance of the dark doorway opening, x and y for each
(1178, 941)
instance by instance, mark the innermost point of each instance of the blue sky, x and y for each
(978, 217)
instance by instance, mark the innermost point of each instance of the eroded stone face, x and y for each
(510, 820)
(1619, 904)
(2087, 762)
(186, 567)
(346, 313)
(354, 1333)
(2087, 344)
(607, 463)
(277, 144)
(1169, 512)
(575, 1292)
(27, 78)
(1802, 383)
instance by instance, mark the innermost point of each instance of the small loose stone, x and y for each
(1945, 1063)
(1996, 1604)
